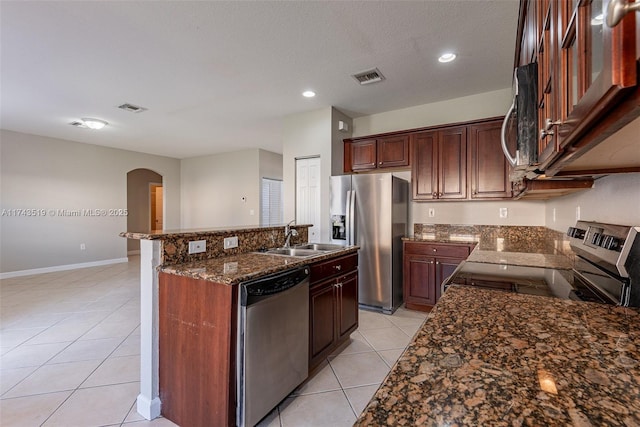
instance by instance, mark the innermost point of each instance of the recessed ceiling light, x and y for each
(597, 20)
(308, 94)
(94, 124)
(447, 57)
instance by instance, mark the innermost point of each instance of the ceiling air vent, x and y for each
(132, 108)
(370, 76)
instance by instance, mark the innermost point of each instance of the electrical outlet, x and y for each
(504, 212)
(432, 212)
(82, 247)
(231, 242)
(197, 246)
(577, 213)
(251, 212)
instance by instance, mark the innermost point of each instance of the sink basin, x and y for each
(297, 252)
(321, 247)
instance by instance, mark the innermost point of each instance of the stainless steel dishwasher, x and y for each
(273, 342)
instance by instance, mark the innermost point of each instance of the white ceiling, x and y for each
(220, 76)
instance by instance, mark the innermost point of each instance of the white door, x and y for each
(308, 195)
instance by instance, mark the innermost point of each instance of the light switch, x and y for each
(231, 242)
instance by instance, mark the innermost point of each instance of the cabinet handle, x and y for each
(338, 267)
(437, 262)
(617, 9)
(439, 195)
(474, 192)
(435, 195)
(380, 163)
(338, 285)
(430, 262)
(545, 133)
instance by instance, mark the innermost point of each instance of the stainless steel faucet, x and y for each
(288, 232)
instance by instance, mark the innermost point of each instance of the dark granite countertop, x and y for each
(193, 232)
(487, 357)
(451, 239)
(238, 268)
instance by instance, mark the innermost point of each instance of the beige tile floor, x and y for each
(70, 346)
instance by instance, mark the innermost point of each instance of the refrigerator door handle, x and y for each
(351, 217)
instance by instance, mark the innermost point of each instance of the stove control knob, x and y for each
(579, 234)
(571, 232)
(595, 239)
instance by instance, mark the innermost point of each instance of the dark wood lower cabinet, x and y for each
(426, 266)
(333, 306)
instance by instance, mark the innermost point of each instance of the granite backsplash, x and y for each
(504, 238)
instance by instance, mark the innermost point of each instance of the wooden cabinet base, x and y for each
(418, 307)
(197, 351)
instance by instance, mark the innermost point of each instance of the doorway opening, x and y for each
(155, 206)
(145, 204)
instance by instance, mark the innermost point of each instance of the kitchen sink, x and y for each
(321, 247)
(303, 251)
(297, 252)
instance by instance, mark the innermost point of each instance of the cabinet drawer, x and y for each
(333, 267)
(439, 250)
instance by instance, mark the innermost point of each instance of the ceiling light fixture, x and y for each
(447, 57)
(308, 94)
(94, 124)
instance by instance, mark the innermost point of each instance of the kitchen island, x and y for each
(486, 357)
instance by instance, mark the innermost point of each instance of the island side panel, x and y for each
(198, 325)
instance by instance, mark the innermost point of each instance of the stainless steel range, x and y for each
(607, 269)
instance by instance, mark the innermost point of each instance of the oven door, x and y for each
(610, 289)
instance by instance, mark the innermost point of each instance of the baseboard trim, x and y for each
(11, 274)
(134, 252)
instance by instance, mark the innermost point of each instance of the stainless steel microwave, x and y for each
(521, 121)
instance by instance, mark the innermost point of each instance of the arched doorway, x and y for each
(145, 204)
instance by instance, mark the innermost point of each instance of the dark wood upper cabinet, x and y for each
(588, 76)
(363, 155)
(393, 151)
(439, 166)
(452, 163)
(371, 154)
(488, 167)
(424, 177)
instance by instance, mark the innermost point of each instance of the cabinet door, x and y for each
(363, 155)
(452, 163)
(393, 151)
(322, 315)
(424, 176)
(419, 279)
(604, 72)
(347, 307)
(444, 268)
(488, 165)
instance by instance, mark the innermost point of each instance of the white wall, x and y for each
(46, 173)
(614, 199)
(480, 106)
(305, 135)
(213, 187)
(337, 140)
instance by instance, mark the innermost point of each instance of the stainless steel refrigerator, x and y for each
(370, 210)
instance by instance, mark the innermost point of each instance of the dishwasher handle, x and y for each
(257, 289)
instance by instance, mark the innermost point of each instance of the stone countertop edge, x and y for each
(163, 234)
(486, 357)
(451, 240)
(234, 269)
